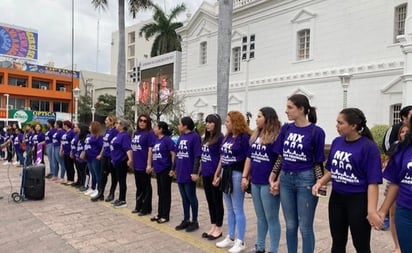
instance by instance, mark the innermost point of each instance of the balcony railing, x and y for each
(239, 3)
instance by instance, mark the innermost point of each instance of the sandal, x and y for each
(154, 218)
(162, 220)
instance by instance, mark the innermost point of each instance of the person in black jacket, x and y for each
(391, 134)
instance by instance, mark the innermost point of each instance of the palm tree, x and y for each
(134, 7)
(163, 27)
(223, 52)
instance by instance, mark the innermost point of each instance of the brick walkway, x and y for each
(66, 221)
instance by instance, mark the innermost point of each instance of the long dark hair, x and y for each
(354, 116)
(84, 131)
(270, 129)
(148, 122)
(301, 101)
(213, 136)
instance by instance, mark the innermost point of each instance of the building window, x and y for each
(235, 59)
(17, 81)
(131, 38)
(400, 16)
(303, 44)
(203, 53)
(1, 79)
(62, 86)
(39, 84)
(17, 103)
(40, 105)
(396, 113)
(60, 107)
(130, 51)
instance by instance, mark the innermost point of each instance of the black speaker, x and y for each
(34, 182)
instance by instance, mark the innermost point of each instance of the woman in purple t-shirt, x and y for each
(210, 159)
(163, 155)
(93, 145)
(187, 163)
(399, 173)
(142, 144)
(229, 175)
(258, 167)
(301, 145)
(354, 166)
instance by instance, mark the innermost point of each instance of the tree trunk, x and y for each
(121, 64)
(224, 40)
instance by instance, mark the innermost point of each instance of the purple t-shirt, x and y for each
(66, 141)
(161, 153)
(234, 150)
(57, 136)
(93, 145)
(141, 142)
(37, 138)
(399, 171)
(49, 135)
(79, 149)
(188, 148)
(18, 139)
(210, 157)
(73, 144)
(107, 138)
(300, 147)
(119, 146)
(262, 159)
(354, 165)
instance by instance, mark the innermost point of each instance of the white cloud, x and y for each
(53, 21)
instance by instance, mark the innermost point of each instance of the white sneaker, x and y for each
(15, 163)
(94, 193)
(6, 163)
(237, 247)
(89, 191)
(227, 242)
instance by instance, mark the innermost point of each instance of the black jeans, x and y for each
(107, 168)
(81, 173)
(349, 211)
(121, 171)
(214, 197)
(143, 192)
(164, 191)
(69, 164)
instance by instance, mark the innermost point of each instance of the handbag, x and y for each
(23, 146)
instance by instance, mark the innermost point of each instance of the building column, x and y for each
(406, 47)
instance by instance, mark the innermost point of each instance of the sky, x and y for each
(53, 21)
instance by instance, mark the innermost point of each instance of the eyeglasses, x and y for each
(143, 120)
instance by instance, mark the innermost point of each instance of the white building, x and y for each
(300, 46)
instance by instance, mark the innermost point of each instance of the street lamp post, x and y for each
(76, 95)
(345, 81)
(248, 54)
(89, 83)
(7, 108)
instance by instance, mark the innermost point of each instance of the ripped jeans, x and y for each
(298, 205)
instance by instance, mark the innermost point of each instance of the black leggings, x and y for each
(164, 191)
(107, 168)
(143, 191)
(214, 197)
(349, 211)
(121, 170)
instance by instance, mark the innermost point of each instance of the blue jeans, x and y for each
(267, 214)
(59, 161)
(20, 157)
(298, 205)
(234, 205)
(95, 171)
(189, 199)
(403, 222)
(50, 155)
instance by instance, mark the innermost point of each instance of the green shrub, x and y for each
(378, 133)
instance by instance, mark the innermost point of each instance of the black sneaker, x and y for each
(120, 204)
(83, 189)
(183, 225)
(192, 226)
(114, 202)
(50, 175)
